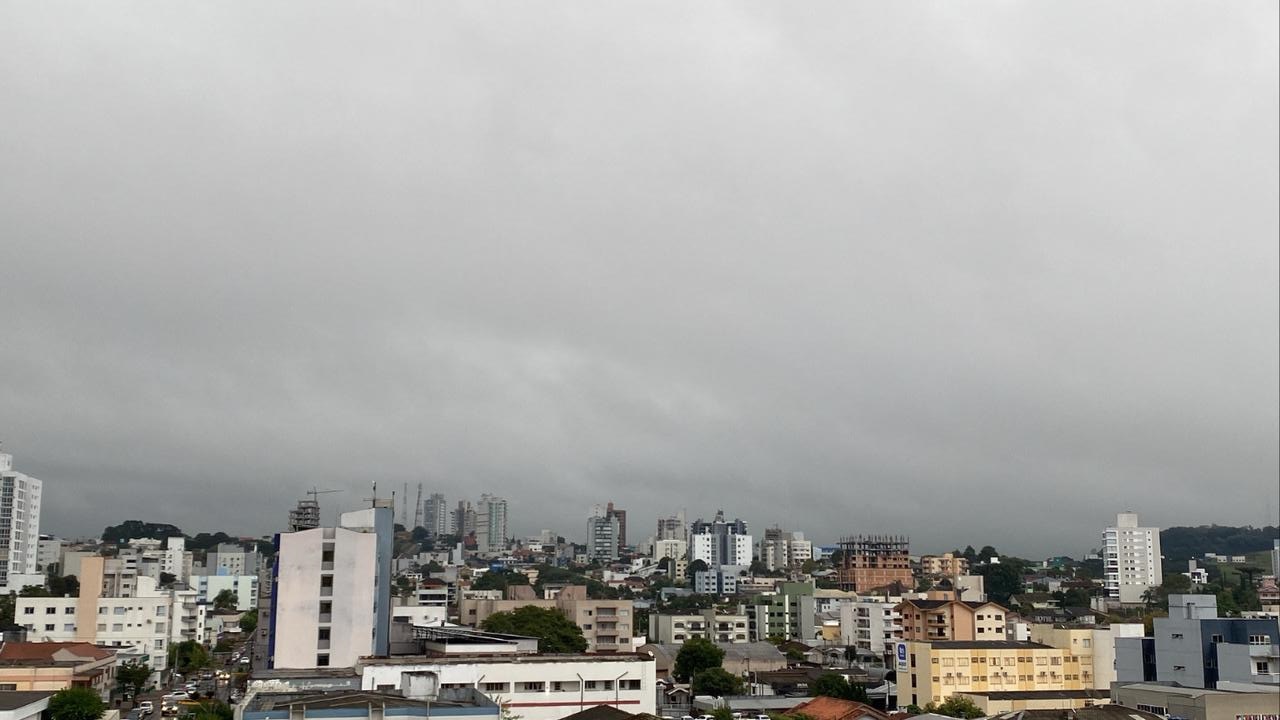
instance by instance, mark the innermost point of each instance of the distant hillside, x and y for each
(1180, 544)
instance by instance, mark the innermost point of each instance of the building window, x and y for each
(326, 581)
(494, 687)
(322, 660)
(48, 628)
(28, 611)
(531, 687)
(1216, 639)
(50, 610)
(68, 611)
(1259, 639)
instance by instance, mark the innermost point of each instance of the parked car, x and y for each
(146, 707)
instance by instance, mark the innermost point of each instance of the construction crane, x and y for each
(316, 493)
(417, 509)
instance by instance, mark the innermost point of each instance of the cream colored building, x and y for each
(716, 627)
(1094, 643)
(946, 564)
(606, 624)
(941, 617)
(932, 672)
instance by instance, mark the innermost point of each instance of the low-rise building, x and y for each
(53, 666)
(942, 617)
(721, 628)
(148, 623)
(536, 687)
(1197, 703)
(244, 587)
(933, 671)
(27, 705)
(606, 624)
(944, 565)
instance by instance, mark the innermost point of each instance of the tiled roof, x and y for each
(829, 708)
(16, 652)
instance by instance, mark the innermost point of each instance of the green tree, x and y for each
(249, 621)
(716, 681)
(188, 655)
(33, 591)
(694, 567)
(696, 655)
(226, 600)
(433, 567)
(76, 703)
(132, 676)
(955, 706)
(499, 580)
(1002, 580)
(555, 632)
(8, 602)
(832, 685)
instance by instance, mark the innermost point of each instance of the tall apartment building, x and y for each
(602, 536)
(464, 519)
(176, 560)
(720, 542)
(436, 518)
(672, 528)
(49, 551)
(621, 516)
(781, 550)
(491, 524)
(145, 624)
(788, 614)
(869, 562)
(245, 588)
(1131, 559)
(19, 528)
(331, 592)
(304, 517)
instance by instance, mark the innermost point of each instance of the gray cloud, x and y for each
(979, 275)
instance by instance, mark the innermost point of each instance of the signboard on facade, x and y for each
(1258, 716)
(901, 653)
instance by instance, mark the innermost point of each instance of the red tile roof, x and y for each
(34, 651)
(829, 708)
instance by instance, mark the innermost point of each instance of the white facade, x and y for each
(602, 537)
(148, 622)
(1131, 559)
(785, 550)
(535, 687)
(871, 625)
(231, 559)
(19, 526)
(491, 524)
(332, 593)
(1104, 650)
(49, 552)
(716, 549)
(176, 560)
(674, 549)
(436, 517)
(245, 587)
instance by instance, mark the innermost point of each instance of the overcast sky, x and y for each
(977, 273)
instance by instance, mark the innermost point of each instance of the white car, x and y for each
(146, 708)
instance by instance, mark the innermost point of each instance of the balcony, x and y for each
(1264, 651)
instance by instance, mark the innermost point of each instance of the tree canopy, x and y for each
(226, 599)
(955, 706)
(134, 529)
(555, 632)
(76, 703)
(249, 621)
(716, 681)
(837, 686)
(132, 676)
(696, 655)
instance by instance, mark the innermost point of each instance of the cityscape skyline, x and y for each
(969, 276)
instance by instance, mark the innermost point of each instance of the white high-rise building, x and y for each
(19, 528)
(1131, 559)
(331, 594)
(602, 536)
(491, 524)
(436, 518)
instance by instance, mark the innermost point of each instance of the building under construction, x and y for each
(869, 562)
